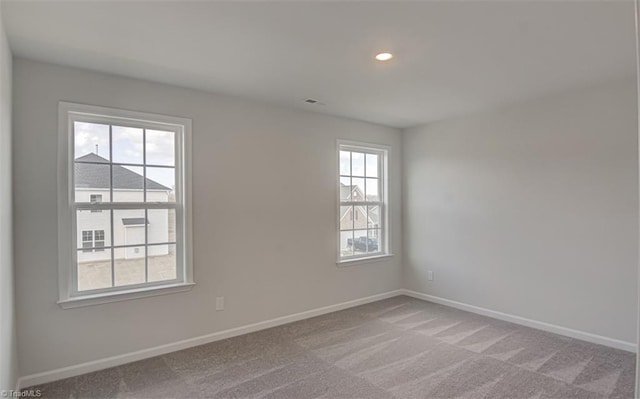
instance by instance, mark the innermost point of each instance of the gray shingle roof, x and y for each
(93, 175)
(134, 221)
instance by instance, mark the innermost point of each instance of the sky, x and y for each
(128, 147)
(356, 168)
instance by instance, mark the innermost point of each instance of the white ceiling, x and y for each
(451, 57)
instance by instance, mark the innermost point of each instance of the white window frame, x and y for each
(384, 241)
(69, 296)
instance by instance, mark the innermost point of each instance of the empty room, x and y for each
(319, 199)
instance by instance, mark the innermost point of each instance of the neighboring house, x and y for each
(92, 182)
(357, 217)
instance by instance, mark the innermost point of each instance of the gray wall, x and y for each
(256, 168)
(8, 346)
(530, 210)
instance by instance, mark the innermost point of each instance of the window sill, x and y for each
(97, 299)
(358, 261)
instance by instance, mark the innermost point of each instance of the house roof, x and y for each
(346, 191)
(345, 194)
(374, 217)
(90, 172)
(134, 221)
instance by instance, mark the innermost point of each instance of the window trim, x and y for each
(67, 113)
(385, 153)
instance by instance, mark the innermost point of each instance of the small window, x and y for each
(128, 194)
(362, 185)
(98, 240)
(94, 199)
(87, 241)
(92, 241)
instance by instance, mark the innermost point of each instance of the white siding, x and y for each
(124, 235)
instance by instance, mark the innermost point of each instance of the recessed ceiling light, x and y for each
(384, 56)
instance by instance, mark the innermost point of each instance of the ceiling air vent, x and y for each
(313, 101)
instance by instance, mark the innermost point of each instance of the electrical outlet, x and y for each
(220, 303)
(430, 275)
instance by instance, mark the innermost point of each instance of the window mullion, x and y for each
(85, 206)
(111, 199)
(113, 254)
(360, 203)
(110, 163)
(146, 246)
(146, 210)
(144, 164)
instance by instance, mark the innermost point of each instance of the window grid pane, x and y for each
(129, 266)
(161, 262)
(93, 275)
(125, 172)
(128, 168)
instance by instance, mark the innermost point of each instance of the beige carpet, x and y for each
(395, 348)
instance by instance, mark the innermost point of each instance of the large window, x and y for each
(362, 216)
(124, 199)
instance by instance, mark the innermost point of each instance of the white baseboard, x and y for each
(100, 364)
(585, 336)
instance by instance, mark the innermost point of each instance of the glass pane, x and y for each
(357, 164)
(345, 188)
(359, 217)
(358, 188)
(373, 216)
(128, 226)
(161, 183)
(128, 265)
(91, 142)
(91, 179)
(372, 165)
(161, 148)
(346, 243)
(373, 242)
(93, 229)
(346, 217)
(345, 162)
(127, 144)
(128, 184)
(162, 225)
(162, 262)
(373, 190)
(94, 270)
(360, 242)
